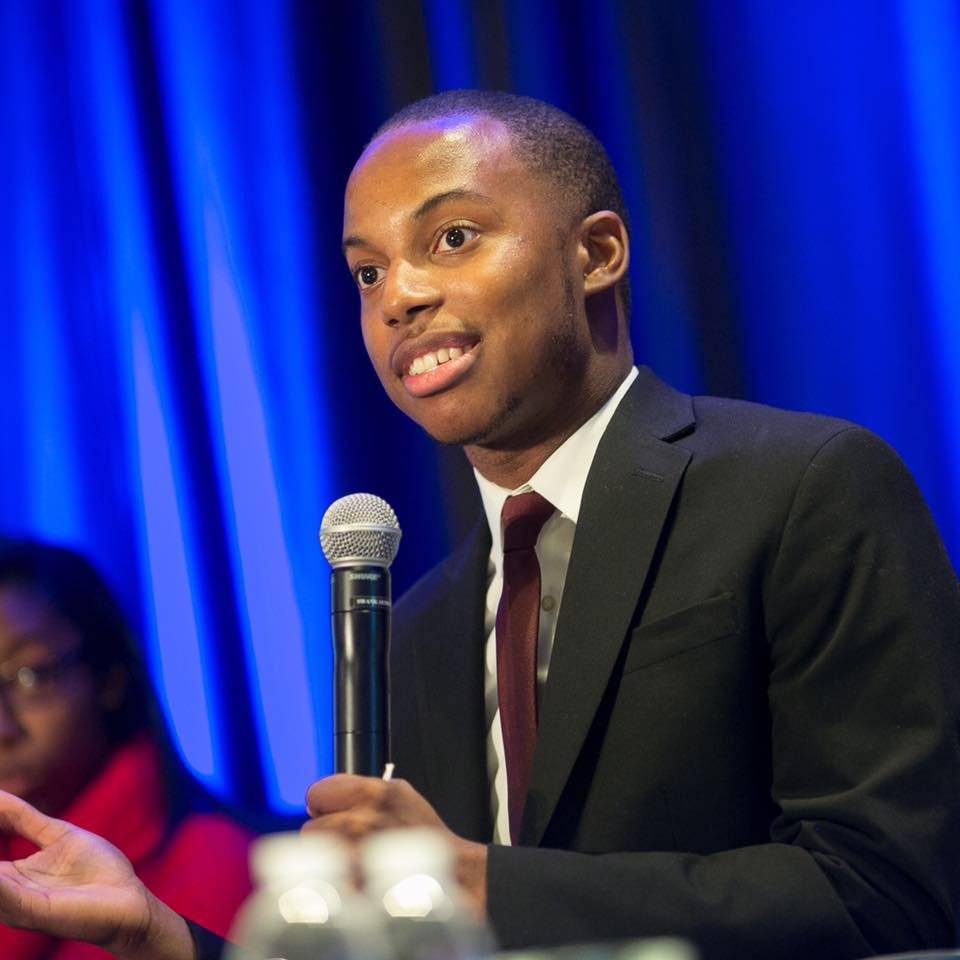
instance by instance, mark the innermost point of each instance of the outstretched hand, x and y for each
(354, 807)
(80, 887)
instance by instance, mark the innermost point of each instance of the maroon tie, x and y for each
(518, 619)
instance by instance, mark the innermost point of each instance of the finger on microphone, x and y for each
(343, 791)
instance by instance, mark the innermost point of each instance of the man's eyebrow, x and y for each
(354, 240)
(459, 194)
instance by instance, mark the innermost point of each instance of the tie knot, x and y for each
(523, 518)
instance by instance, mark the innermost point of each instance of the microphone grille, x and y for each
(360, 529)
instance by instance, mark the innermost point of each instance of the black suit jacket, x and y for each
(749, 733)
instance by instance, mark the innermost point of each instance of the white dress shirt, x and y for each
(560, 480)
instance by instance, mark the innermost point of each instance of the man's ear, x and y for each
(604, 251)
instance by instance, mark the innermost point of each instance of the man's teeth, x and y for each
(430, 360)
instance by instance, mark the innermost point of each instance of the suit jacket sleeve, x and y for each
(208, 945)
(861, 611)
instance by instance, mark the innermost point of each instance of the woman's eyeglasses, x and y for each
(25, 686)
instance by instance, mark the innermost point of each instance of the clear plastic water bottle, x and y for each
(303, 906)
(409, 879)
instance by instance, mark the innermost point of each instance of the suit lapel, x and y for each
(450, 684)
(629, 490)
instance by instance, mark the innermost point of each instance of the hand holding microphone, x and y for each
(360, 536)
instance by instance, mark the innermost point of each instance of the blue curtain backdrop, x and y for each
(184, 388)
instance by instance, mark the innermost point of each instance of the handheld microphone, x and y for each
(360, 535)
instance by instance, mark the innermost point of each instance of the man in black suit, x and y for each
(747, 670)
(747, 727)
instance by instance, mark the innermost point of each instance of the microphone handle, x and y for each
(361, 638)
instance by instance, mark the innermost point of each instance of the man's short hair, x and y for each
(549, 141)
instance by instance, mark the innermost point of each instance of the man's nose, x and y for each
(407, 291)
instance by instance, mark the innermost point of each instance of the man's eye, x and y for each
(453, 238)
(367, 276)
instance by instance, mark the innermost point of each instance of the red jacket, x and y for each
(198, 867)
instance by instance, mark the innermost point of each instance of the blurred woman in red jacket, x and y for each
(81, 739)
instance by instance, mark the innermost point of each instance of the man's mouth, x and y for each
(428, 368)
(428, 361)
(418, 355)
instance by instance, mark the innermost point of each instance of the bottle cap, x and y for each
(292, 857)
(409, 872)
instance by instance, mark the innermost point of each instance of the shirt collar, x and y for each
(563, 475)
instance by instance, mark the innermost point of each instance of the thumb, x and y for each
(18, 817)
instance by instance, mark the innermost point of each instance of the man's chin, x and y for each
(489, 434)
(451, 435)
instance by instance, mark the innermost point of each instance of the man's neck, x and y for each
(511, 468)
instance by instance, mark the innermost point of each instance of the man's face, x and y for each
(471, 285)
